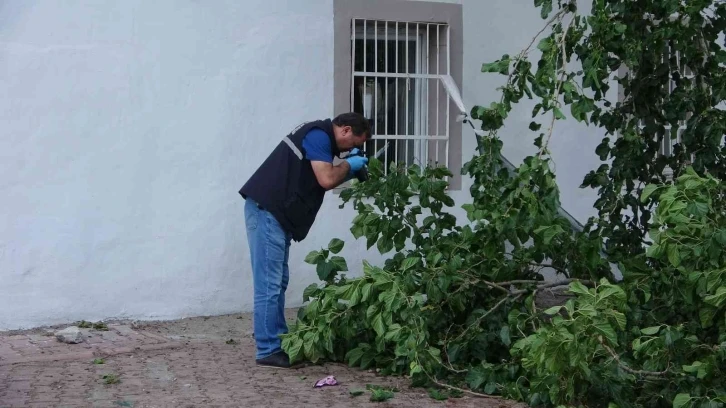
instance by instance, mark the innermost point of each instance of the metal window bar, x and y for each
(668, 139)
(391, 85)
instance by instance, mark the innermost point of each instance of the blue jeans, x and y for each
(269, 251)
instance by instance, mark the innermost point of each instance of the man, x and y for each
(282, 200)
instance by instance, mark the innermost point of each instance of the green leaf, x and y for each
(324, 270)
(697, 208)
(339, 263)
(366, 291)
(335, 245)
(654, 251)
(490, 388)
(606, 330)
(718, 299)
(501, 66)
(558, 113)
(700, 369)
(578, 288)
(380, 395)
(385, 244)
(650, 331)
(437, 258)
(314, 257)
(378, 325)
(548, 233)
(295, 350)
(545, 45)
(309, 291)
(393, 332)
(553, 310)
(309, 345)
(476, 377)
(681, 401)
(387, 297)
(706, 315)
(674, 255)
(647, 192)
(437, 395)
(504, 335)
(579, 111)
(721, 236)
(546, 8)
(409, 263)
(354, 356)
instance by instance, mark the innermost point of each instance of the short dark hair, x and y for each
(359, 123)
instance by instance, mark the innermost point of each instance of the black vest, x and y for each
(285, 184)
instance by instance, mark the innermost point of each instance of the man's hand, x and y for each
(330, 176)
(356, 163)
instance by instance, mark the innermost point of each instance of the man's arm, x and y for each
(330, 176)
(318, 150)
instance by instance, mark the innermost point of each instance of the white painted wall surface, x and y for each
(126, 129)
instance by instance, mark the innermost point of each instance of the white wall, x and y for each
(126, 129)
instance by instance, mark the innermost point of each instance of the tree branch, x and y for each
(628, 369)
(490, 311)
(451, 387)
(564, 282)
(497, 286)
(556, 96)
(525, 51)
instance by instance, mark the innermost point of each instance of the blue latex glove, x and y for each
(356, 163)
(354, 152)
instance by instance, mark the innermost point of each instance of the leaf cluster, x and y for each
(473, 304)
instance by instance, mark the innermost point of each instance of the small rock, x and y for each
(70, 335)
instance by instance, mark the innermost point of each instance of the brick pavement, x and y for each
(185, 363)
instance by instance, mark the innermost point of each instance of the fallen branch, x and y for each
(490, 311)
(556, 96)
(513, 295)
(497, 286)
(564, 282)
(628, 369)
(451, 387)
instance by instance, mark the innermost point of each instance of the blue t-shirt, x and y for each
(317, 146)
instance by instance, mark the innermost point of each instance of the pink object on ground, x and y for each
(329, 380)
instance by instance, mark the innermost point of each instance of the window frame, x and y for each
(402, 11)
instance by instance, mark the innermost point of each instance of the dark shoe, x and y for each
(276, 360)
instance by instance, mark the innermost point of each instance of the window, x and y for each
(396, 70)
(672, 135)
(389, 56)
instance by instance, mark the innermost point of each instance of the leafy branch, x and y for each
(454, 302)
(628, 369)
